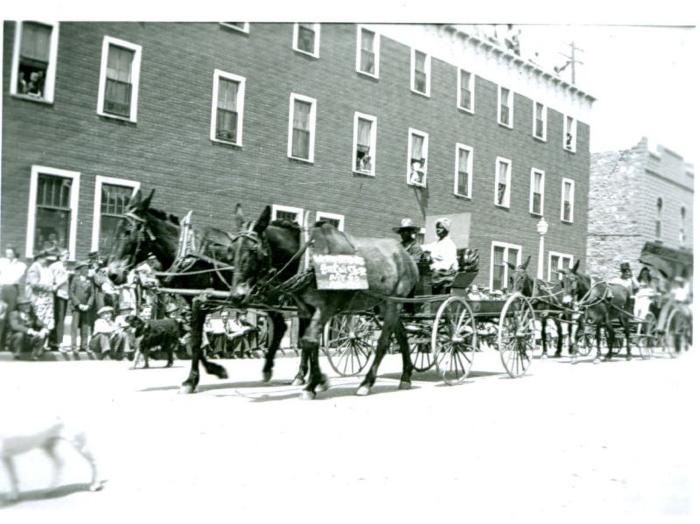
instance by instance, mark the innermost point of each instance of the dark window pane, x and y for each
(226, 125)
(305, 40)
(117, 98)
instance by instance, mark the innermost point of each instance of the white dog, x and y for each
(46, 437)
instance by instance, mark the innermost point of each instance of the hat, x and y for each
(93, 254)
(406, 223)
(625, 266)
(126, 307)
(679, 278)
(446, 222)
(23, 300)
(105, 309)
(81, 263)
(171, 307)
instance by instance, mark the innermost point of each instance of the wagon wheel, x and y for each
(348, 342)
(644, 336)
(419, 343)
(453, 340)
(677, 333)
(516, 335)
(584, 342)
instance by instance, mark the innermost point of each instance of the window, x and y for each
(53, 210)
(337, 220)
(417, 162)
(567, 200)
(34, 60)
(537, 192)
(505, 107)
(502, 188)
(119, 79)
(681, 233)
(364, 144)
(539, 121)
(295, 214)
(302, 127)
(420, 72)
(569, 133)
(307, 39)
(227, 108)
(367, 57)
(558, 261)
(464, 162)
(111, 198)
(243, 27)
(465, 90)
(502, 252)
(659, 213)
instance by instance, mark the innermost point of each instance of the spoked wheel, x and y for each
(419, 339)
(585, 341)
(516, 335)
(677, 332)
(454, 340)
(644, 337)
(348, 342)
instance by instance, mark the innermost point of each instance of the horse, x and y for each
(600, 303)
(548, 302)
(146, 231)
(391, 275)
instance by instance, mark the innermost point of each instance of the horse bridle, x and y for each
(141, 229)
(261, 249)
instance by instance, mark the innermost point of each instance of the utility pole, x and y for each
(570, 61)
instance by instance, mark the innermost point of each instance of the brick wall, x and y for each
(169, 147)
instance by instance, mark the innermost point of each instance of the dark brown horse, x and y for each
(146, 230)
(390, 273)
(548, 303)
(600, 304)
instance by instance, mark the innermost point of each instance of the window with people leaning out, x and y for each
(365, 143)
(35, 49)
(417, 158)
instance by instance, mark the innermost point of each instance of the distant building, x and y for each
(358, 124)
(637, 196)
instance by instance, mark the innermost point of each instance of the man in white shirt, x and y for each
(443, 253)
(12, 272)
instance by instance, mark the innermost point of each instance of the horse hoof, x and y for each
(307, 395)
(545, 356)
(323, 386)
(596, 360)
(267, 376)
(187, 389)
(298, 382)
(362, 391)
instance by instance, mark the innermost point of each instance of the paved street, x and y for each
(612, 442)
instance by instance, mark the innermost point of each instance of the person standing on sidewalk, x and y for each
(82, 299)
(60, 298)
(40, 288)
(12, 271)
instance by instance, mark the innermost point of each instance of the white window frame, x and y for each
(317, 40)
(373, 145)
(74, 201)
(533, 171)
(509, 176)
(312, 117)
(472, 84)
(340, 218)
(463, 147)
(375, 50)
(426, 148)
(50, 81)
(574, 134)
(561, 257)
(135, 76)
(240, 103)
(511, 112)
(245, 29)
(97, 209)
(542, 138)
(564, 181)
(507, 246)
(276, 208)
(428, 61)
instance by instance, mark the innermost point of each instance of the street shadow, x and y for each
(331, 393)
(45, 494)
(224, 385)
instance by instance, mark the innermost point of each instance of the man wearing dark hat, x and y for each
(27, 331)
(407, 231)
(81, 294)
(626, 279)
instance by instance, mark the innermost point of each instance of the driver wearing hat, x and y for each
(407, 231)
(626, 279)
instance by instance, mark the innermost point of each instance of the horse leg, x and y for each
(391, 316)
(170, 350)
(626, 331)
(279, 326)
(543, 336)
(402, 340)
(560, 339)
(300, 377)
(597, 344)
(199, 314)
(309, 345)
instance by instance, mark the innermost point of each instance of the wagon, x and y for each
(444, 332)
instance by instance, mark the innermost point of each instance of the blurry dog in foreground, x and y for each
(46, 438)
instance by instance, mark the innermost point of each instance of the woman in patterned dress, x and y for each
(40, 288)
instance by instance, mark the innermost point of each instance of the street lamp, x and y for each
(542, 227)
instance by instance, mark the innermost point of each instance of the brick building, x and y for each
(360, 124)
(640, 196)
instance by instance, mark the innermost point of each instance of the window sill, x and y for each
(117, 118)
(424, 95)
(32, 98)
(502, 206)
(507, 126)
(305, 53)
(363, 173)
(301, 160)
(465, 110)
(462, 197)
(534, 214)
(567, 221)
(569, 150)
(366, 74)
(539, 138)
(233, 145)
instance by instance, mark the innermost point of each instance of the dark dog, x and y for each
(164, 333)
